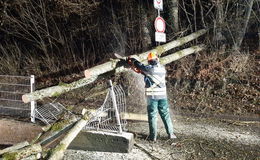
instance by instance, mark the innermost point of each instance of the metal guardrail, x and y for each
(109, 116)
(11, 90)
(48, 113)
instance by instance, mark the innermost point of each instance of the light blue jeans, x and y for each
(161, 105)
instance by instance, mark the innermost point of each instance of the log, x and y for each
(58, 152)
(178, 55)
(92, 74)
(56, 130)
(111, 65)
(135, 116)
(14, 147)
(23, 153)
(55, 91)
(33, 157)
(124, 115)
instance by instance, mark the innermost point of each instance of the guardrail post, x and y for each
(33, 103)
(113, 96)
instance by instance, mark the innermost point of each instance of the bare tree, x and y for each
(218, 23)
(249, 4)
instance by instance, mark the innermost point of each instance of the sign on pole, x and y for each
(159, 24)
(158, 4)
(160, 37)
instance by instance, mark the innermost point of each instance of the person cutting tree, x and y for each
(155, 90)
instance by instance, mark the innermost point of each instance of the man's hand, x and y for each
(129, 61)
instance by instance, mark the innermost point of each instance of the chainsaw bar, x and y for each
(119, 56)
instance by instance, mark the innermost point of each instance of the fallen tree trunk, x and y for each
(124, 115)
(93, 73)
(178, 55)
(56, 90)
(14, 147)
(58, 152)
(24, 152)
(111, 65)
(56, 130)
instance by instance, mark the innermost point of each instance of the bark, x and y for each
(259, 37)
(58, 152)
(33, 157)
(56, 90)
(92, 74)
(23, 153)
(241, 35)
(14, 147)
(219, 22)
(56, 130)
(111, 65)
(178, 55)
(147, 41)
(134, 116)
(124, 115)
(173, 14)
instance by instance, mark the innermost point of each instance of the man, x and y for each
(155, 90)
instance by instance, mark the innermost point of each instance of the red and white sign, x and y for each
(159, 24)
(158, 4)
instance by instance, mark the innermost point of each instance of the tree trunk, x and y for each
(56, 130)
(218, 37)
(173, 8)
(178, 55)
(147, 41)
(32, 151)
(23, 153)
(241, 35)
(93, 73)
(56, 90)
(259, 37)
(59, 150)
(14, 147)
(111, 65)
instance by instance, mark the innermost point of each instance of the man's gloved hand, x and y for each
(130, 60)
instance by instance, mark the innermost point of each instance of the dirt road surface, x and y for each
(202, 138)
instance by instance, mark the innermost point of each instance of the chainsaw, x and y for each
(129, 62)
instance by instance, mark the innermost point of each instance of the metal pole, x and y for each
(115, 106)
(33, 103)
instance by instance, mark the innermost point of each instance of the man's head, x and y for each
(152, 58)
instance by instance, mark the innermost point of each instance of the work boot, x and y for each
(153, 139)
(172, 136)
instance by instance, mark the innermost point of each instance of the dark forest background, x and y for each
(55, 40)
